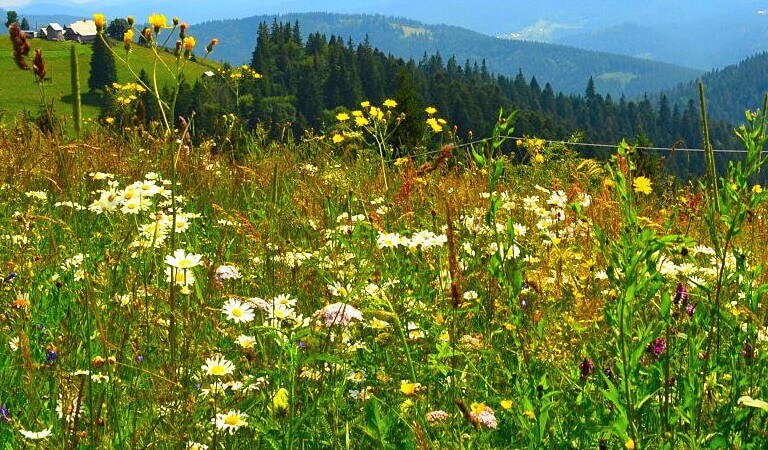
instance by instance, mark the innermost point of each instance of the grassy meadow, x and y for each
(20, 92)
(166, 291)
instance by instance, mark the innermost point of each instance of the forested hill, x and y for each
(566, 67)
(731, 90)
(307, 81)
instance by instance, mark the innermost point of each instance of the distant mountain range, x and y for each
(707, 43)
(567, 68)
(689, 33)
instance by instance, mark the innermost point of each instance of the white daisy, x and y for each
(183, 260)
(237, 311)
(218, 366)
(231, 421)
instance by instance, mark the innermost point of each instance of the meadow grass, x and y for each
(299, 303)
(20, 91)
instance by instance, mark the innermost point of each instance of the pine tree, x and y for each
(103, 70)
(117, 29)
(12, 17)
(411, 130)
(24, 24)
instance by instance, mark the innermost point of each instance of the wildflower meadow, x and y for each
(161, 290)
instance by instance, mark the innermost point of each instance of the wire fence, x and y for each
(583, 144)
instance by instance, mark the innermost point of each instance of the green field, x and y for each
(21, 93)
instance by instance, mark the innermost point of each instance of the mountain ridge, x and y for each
(566, 67)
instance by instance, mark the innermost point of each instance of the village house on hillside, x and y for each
(53, 32)
(82, 31)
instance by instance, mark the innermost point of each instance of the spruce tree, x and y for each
(103, 70)
(11, 18)
(24, 24)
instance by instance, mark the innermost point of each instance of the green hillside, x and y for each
(568, 68)
(730, 90)
(20, 92)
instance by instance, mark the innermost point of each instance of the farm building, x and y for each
(82, 31)
(54, 32)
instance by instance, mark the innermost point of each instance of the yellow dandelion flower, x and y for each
(408, 388)
(431, 110)
(642, 185)
(529, 414)
(539, 158)
(365, 104)
(436, 127)
(630, 444)
(389, 103)
(342, 117)
(361, 121)
(757, 189)
(110, 120)
(506, 404)
(158, 21)
(337, 138)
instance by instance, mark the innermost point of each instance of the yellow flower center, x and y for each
(237, 312)
(218, 370)
(232, 419)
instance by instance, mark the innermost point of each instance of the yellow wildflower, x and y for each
(389, 103)
(280, 401)
(642, 185)
(110, 120)
(529, 414)
(365, 104)
(431, 110)
(337, 138)
(757, 189)
(342, 117)
(539, 158)
(189, 43)
(100, 20)
(408, 388)
(158, 21)
(361, 121)
(630, 444)
(506, 404)
(436, 127)
(128, 36)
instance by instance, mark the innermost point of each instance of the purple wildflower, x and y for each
(339, 314)
(747, 351)
(11, 276)
(657, 347)
(437, 416)
(227, 273)
(586, 367)
(681, 295)
(488, 419)
(4, 414)
(690, 309)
